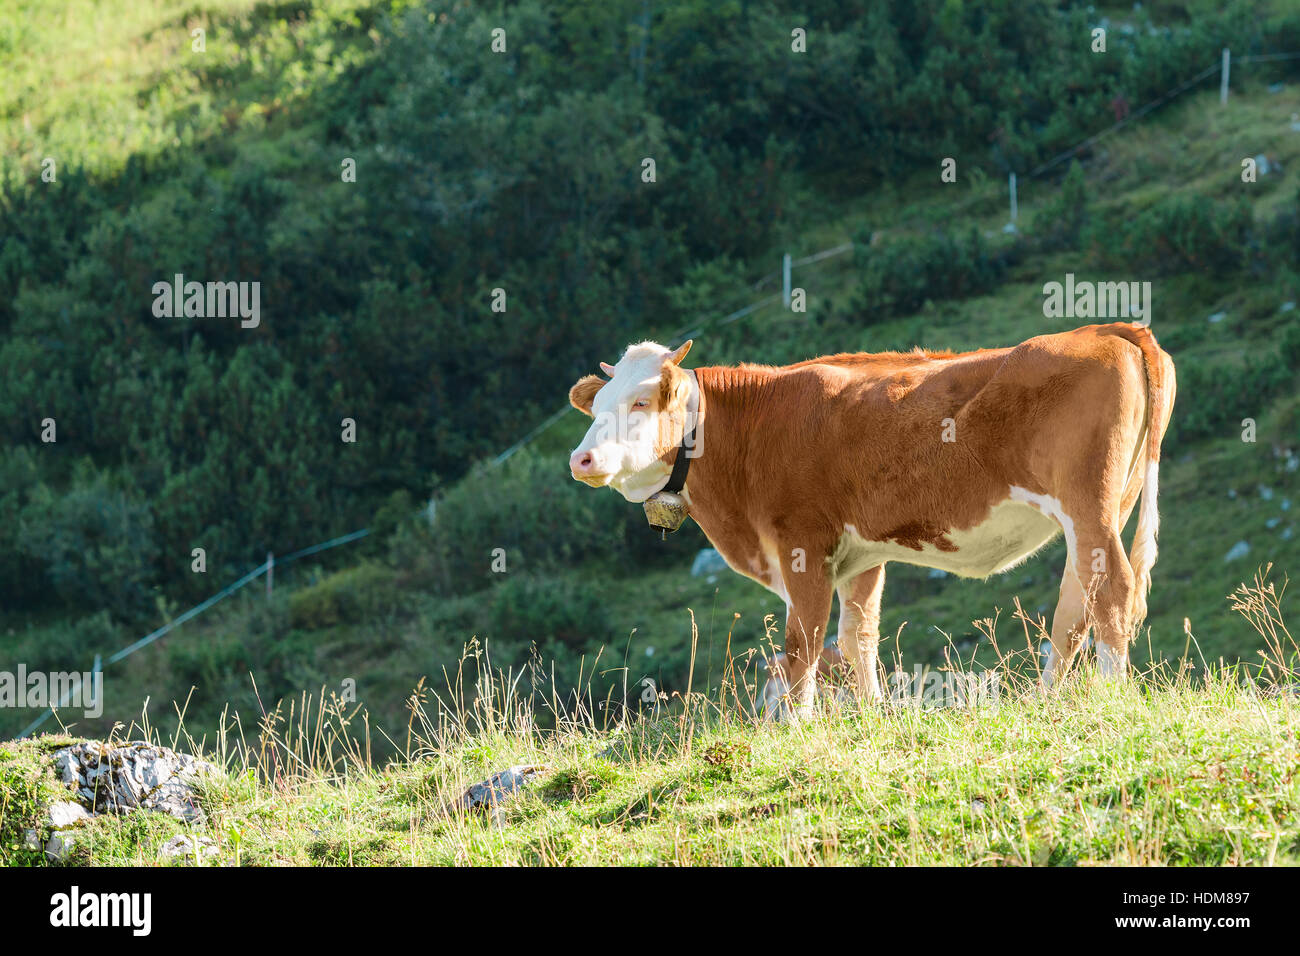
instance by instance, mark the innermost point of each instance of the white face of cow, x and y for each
(637, 418)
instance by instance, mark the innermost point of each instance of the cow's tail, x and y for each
(1160, 405)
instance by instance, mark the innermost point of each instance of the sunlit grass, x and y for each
(1182, 765)
(89, 84)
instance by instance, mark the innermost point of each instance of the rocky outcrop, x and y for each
(113, 778)
(133, 776)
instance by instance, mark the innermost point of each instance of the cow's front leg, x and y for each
(808, 605)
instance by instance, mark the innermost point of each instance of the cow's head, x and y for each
(639, 416)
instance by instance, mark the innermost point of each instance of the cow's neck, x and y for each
(731, 400)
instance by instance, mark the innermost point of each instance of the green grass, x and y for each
(89, 86)
(1183, 765)
(1170, 771)
(1146, 774)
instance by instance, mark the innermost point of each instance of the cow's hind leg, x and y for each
(1108, 585)
(1069, 626)
(859, 636)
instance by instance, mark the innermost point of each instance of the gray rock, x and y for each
(59, 845)
(1266, 492)
(498, 788)
(64, 814)
(1237, 551)
(133, 776)
(187, 849)
(1218, 317)
(708, 561)
(69, 768)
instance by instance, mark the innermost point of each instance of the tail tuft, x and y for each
(1142, 556)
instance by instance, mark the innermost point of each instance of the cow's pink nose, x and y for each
(582, 463)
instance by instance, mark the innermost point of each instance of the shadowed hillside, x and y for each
(522, 171)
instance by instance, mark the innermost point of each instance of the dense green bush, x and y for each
(899, 276)
(1179, 233)
(1282, 235)
(540, 518)
(529, 508)
(93, 542)
(351, 596)
(1061, 221)
(559, 614)
(65, 645)
(1213, 399)
(24, 578)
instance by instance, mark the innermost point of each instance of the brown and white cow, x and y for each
(810, 477)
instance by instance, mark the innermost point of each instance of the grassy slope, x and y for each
(1164, 773)
(126, 87)
(1210, 494)
(93, 83)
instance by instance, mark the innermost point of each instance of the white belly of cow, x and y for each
(1012, 531)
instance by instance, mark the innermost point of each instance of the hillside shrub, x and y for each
(900, 275)
(1060, 222)
(350, 596)
(94, 544)
(1213, 398)
(1179, 233)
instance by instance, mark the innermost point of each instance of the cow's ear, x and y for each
(680, 352)
(674, 388)
(584, 392)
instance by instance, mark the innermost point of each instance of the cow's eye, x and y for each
(641, 403)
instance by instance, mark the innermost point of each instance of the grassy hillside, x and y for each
(588, 590)
(385, 623)
(1179, 767)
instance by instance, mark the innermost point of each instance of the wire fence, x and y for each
(678, 337)
(1161, 100)
(193, 612)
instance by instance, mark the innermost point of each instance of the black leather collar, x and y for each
(682, 464)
